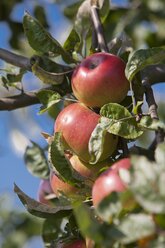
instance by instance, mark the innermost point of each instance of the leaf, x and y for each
(114, 111)
(62, 165)
(51, 230)
(119, 121)
(38, 209)
(48, 98)
(83, 22)
(147, 184)
(110, 207)
(147, 122)
(36, 161)
(158, 243)
(41, 41)
(45, 76)
(96, 142)
(139, 59)
(160, 154)
(136, 108)
(73, 42)
(136, 226)
(88, 225)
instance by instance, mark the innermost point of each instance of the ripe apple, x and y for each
(44, 190)
(77, 122)
(75, 244)
(100, 79)
(59, 186)
(109, 181)
(86, 169)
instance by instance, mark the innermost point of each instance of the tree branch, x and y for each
(18, 101)
(15, 59)
(159, 134)
(98, 26)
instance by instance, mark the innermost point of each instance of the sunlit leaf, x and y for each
(147, 184)
(48, 98)
(41, 41)
(160, 154)
(110, 207)
(119, 121)
(141, 58)
(147, 122)
(136, 226)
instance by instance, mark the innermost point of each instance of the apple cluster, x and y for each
(97, 80)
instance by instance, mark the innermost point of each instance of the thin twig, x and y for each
(98, 26)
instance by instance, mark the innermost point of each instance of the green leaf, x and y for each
(45, 76)
(36, 161)
(147, 122)
(61, 165)
(102, 233)
(141, 58)
(115, 111)
(73, 42)
(51, 230)
(41, 41)
(147, 184)
(38, 209)
(158, 243)
(160, 154)
(119, 121)
(110, 207)
(136, 226)
(88, 225)
(83, 22)
(96, 142)
(48, 98)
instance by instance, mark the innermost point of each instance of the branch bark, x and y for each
(159, 134)
(14, 59)
(18, 101)
(98, 26)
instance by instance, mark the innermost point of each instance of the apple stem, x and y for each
(98, 26)
(150, 99)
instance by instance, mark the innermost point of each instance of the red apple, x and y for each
(77, 122)
(44, 190)
(124, 163)
(59, 186)
(75, 244)
(109, 181)
(86, 169)
(100, 79)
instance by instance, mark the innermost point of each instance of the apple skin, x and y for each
(58, 186)
(109, 181)
(77, 122)
(86, 169)
(100, 79)
(44, 189)
(75, 244)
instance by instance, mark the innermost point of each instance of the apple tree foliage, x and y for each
(135, 217)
